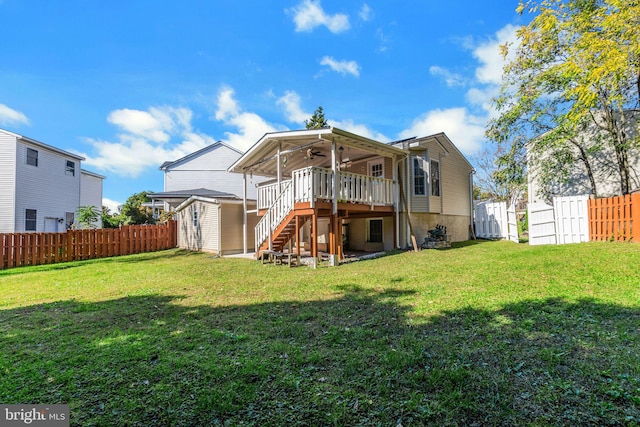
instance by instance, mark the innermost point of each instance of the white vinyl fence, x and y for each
(567, 221)
(495, 221)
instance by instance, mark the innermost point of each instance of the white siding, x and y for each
(7, 182)
(208, 169)
(46, 188)
(91, 193)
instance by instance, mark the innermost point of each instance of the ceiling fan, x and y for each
(311, 153)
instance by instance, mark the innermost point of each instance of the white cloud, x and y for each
(342, 67)
(384, 41)
(9, 116)
(251, 127)
(451, 79)
(147, 139)
(309, 14)
(111, 204)
(291, 103)
(358, 129)
(488, 54)
(365, 12)
(464, 129)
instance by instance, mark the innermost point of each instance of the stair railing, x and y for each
(274, 216)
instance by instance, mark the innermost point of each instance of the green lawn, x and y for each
(486, 333)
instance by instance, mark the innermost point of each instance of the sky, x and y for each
(131, 84)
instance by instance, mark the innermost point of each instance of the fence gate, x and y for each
(542, 224)
(491, 220)
(572, 219)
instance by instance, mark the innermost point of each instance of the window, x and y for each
(32, 157)
(435, 178)
(69, 220)
(70, 169)
(419, 184)
(376, 169)
(374, 231)
(30, 219)
(195, 217)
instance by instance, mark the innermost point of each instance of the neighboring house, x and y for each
(332, 190)
(202, 171)
(42, 187)
(203, 194)
(574, 180)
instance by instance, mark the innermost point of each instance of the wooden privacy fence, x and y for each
(21, 249)
(615, 218)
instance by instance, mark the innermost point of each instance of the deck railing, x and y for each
(311, 184)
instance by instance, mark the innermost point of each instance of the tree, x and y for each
(317, 120)
(498, 178)
(88, 216)
(110, 220)
(569, 87)
(133, 212)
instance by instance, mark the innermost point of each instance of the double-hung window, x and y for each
(30, 219)
(419, 177)
(70, 168)
(435, 178)
(32, 157)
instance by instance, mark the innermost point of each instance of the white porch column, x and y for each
(244, 212)
(334, 169)
(279, 166)
(396, 197)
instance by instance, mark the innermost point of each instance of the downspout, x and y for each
(244, 212)
(472, 211)
(396, 163)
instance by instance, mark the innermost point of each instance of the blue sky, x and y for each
(131, 84)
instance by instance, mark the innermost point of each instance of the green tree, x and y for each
(88, 216)
(110, 220)
(133, 212)
(317, 120)
(569, 86)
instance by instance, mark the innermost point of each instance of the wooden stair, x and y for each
(282, 234)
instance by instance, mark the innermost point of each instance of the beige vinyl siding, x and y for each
(45, 188)
(232, 229)
(204, 235)
(7, 182)
(455, 185)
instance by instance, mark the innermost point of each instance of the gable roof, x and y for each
(199, 192)
(43, 145)
(440, 138)
(201, 151)
(296, 145)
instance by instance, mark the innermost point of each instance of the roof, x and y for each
(209, 147)
(308, 147)
(216, 201)
(440, 138)
(200, 192)
(43, 145)
(93, 174)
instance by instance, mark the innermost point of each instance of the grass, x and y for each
(486, 333)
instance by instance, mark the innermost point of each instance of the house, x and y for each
(204, 196)
(41, 186)
(200, 173)
(572, 178)
(332, 190)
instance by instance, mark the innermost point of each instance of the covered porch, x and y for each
(317, 175)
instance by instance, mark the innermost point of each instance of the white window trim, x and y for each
(424, 176)
(372, 163)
